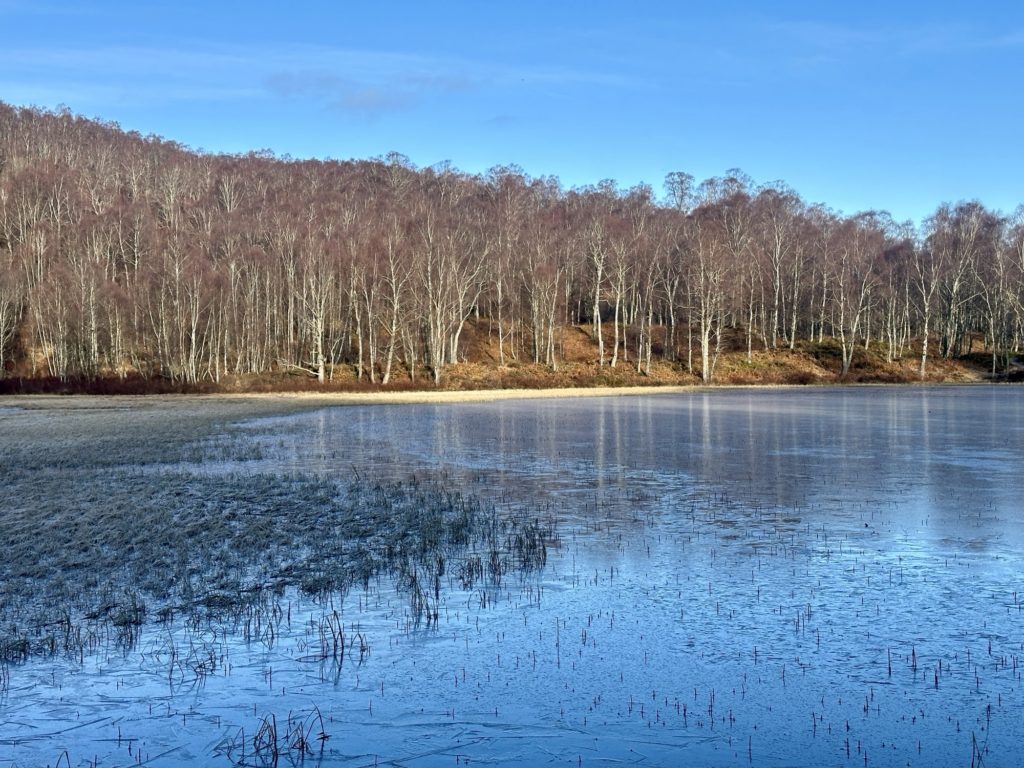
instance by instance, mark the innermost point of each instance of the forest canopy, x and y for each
(124, 255)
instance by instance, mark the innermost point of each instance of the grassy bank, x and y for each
(817, 363)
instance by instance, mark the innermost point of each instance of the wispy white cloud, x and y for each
(763, 51)
(52, 94)
(124, 61)
(41, 8)
(372, 82)
(502, 121)
(361, 82)
(367, 86)
(339, 92)
(894, 40)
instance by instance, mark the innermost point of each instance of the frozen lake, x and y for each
(744, 577)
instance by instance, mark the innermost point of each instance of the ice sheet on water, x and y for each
(761, 577)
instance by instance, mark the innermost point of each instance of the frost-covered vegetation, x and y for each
(106, 526)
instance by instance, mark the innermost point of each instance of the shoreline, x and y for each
(416, 397)
(324, 399)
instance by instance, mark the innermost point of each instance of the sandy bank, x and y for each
(262, 401)
(459, 396)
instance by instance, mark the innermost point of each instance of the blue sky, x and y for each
(896, 106)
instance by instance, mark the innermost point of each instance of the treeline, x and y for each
(129, 255)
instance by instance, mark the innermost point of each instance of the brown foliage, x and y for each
(130, 263)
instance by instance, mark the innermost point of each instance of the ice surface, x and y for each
(791, 577)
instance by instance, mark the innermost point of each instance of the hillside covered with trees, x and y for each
(132, 258)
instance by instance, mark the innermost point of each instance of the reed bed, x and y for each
(123, 524)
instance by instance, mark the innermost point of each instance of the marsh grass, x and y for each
(299, 738)
(103, 538)
(170, 543)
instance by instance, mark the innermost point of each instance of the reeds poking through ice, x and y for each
(171, 543)
(674, 616)
(301, 736)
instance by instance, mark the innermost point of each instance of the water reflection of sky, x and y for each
(773, 548)
(947, 458)
(742, 578)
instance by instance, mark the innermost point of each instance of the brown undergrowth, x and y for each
(485, 367)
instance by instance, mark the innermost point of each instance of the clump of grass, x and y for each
(302, 736)
(170, 541)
